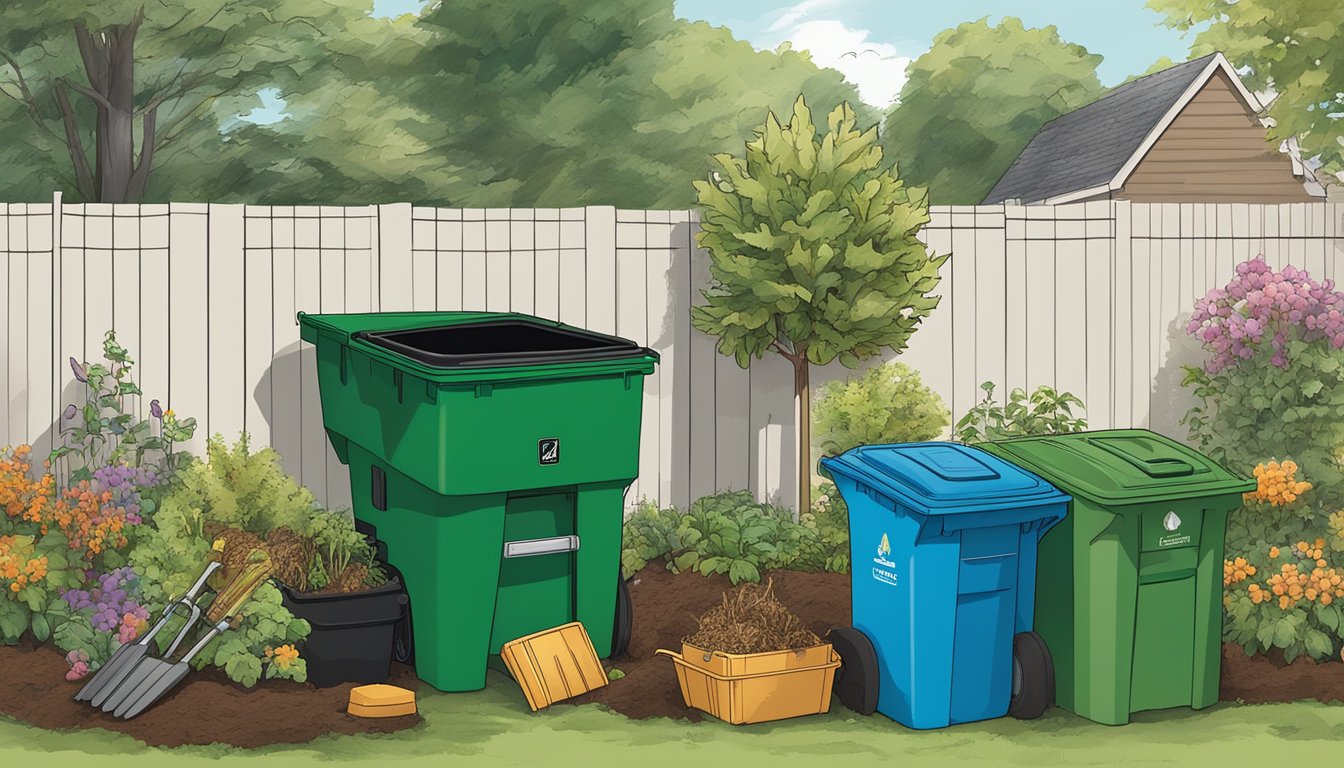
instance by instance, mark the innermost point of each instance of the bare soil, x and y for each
(1262, 679)
(205, 709)
(208, 708)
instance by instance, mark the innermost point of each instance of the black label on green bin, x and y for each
(548, 450)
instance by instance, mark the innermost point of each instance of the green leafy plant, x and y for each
(650, 533)
(887, 404)
(733, 534)
(813, 253)
(1044, 412)
(104, 432)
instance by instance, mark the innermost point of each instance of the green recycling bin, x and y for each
(1129, 586)
(492, 452)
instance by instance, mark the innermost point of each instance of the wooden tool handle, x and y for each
(232, 595)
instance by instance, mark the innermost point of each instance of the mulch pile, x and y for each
(291, 557)
(207, 708)
(751, 620)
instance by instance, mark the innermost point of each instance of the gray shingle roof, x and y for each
(1086, 147)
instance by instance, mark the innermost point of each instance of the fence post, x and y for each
(54, 360)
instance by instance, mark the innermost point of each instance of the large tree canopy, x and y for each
(96, 91)
(975, 99)
(473, 103)
(1289, 46)
(569, 102)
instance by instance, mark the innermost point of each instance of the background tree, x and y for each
(1289, 46)
(975, 99)
(109, 85)
(572, 102)
(813, 253)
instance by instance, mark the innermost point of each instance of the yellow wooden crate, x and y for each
(735, 664)
(381, 701)
(759, 697)
(554, 664)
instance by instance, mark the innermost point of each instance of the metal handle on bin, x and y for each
(533, 547)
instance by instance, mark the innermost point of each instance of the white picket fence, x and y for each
(1085, 297)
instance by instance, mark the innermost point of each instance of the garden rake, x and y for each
(111, 674)
(153, 678)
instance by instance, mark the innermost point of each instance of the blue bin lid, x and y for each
(944, 478)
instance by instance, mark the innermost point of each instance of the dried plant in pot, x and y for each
(327, 571)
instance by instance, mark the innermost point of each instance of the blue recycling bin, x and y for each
(943, 543)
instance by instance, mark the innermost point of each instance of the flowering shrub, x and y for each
(1235, 321)
(103, 432)
(1273, 380)
(63, 558)
(1295, 609)
(1276, 485)
(111, 604)
(1281, 589)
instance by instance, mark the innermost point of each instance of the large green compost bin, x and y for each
(1129, 585)
(492, 452)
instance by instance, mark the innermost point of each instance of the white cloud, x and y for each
(790, 16)
(875, 68)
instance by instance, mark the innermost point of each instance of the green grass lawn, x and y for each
(493, 727)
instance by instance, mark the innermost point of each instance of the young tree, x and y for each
(975, 99)
(91, 76)
(1289, 46)
(813, 253)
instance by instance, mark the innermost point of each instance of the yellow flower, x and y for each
(284, 656)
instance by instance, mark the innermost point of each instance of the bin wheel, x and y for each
(625, 617)
(856, 680)
(1033, 677)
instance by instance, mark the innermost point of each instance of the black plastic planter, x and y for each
(352, 634)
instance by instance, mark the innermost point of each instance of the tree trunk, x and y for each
(109, 64)
(803, 391)
(116, 128)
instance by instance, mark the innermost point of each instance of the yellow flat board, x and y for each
(380, 695)
(554, 664)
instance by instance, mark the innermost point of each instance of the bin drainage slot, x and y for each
(533, 547)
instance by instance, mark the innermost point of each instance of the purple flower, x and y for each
(70, 411)
(80, 373)
(155, 410)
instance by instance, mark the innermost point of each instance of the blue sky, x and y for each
(871, 41)
(891, 32)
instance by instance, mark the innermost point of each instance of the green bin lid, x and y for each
(1122, 466)
(456, 347)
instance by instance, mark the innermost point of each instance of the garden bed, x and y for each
(207, 708)
(666, 604)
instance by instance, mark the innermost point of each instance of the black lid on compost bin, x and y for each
(501, 343)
